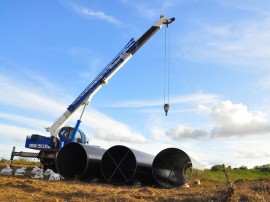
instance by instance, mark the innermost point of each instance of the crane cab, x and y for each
(66, 132)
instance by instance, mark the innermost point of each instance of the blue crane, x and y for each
(61, 135)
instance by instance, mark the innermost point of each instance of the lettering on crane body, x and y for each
(39, 146)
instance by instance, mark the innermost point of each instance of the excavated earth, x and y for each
(25, 188)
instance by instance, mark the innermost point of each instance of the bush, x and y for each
(3, 160)
(243, 168)
(263, 168)
(217, 168)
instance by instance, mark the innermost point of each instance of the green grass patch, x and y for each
(248, 174)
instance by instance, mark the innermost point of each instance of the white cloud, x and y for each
(109, 129)
(182, 132)
(249, 151)
(235, 151)
(153, 8)
(42, 85)
(159, 133)
(20, 96)
(195, 98)
(87, 12)
(250, 6)
(5, 151)
(33, 122)
(165, 131)
(238, 43)
(142, 7)
(15, 133)
(249, 154)
(228, 120)
(25, 97)
(236, 120)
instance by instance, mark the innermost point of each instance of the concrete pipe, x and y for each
(172, 167)
(80, 161)
(123, 165)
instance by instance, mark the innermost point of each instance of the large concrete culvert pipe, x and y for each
(122, 165)
(80, 161)
(172, 167)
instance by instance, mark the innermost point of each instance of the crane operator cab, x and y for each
(66, 132)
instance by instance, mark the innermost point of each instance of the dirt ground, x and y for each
(25, 188)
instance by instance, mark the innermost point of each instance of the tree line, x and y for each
(263, 168)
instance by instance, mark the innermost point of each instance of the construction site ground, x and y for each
(25, 188)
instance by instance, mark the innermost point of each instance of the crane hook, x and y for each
(166, 108)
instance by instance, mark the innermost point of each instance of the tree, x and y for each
(243, 168)
(216, 168)
(265, 168)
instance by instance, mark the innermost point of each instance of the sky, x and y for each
(217, 53)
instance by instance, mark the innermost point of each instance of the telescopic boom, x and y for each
(121, 58)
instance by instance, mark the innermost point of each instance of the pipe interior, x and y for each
(172, 167)
(71, 160)
(118, 165)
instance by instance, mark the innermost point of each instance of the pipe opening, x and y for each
(172, 167)
(118, 165)
(71, 160)
(187, 171)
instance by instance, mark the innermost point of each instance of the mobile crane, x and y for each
(61, 135)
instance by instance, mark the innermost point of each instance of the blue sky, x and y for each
(219, 59)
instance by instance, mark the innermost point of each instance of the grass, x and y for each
(248, 174)
(28, 189)
(20, 161)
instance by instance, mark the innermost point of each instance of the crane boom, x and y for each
(121, 58)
